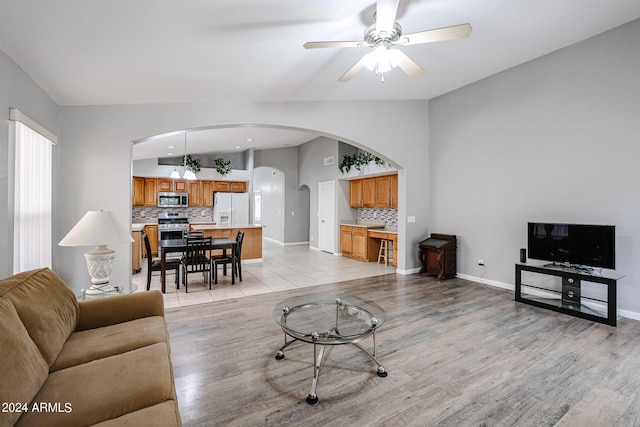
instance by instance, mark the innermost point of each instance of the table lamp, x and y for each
(99, 229)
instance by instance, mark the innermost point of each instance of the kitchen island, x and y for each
(251, 245)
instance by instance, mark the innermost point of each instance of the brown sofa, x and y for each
(103, 362)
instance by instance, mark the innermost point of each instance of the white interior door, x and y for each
(327, 216)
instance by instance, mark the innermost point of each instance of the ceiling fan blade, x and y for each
(352, 71)
(439, 34)
(386, 14)
(409, 66)
(318, 45)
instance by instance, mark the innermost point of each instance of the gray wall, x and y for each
(97, 141)
(556, 139)
(17, 90)
(270, 182)
(296, 201)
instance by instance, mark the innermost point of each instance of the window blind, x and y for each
(32, 199)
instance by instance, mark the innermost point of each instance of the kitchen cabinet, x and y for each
(238, 187)
(150, 192)
(353, 242)
(180, 186)
(152, 232)
(206, 198)
(394, 191)
(137, 191)
(378, 192)
(368, 192)
(346, 242)
(355, 193)
(136, 252)
(165, 184)
(222, 186)
(387, 191)
(194, 193)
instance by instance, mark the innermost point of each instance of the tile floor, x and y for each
(283, 267)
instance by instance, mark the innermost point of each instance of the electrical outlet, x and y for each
(481, 263)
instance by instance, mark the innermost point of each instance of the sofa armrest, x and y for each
(107, 311)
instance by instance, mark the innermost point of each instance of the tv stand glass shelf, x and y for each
(586, 293)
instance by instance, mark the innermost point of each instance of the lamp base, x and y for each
(101, 289)
(100, 264)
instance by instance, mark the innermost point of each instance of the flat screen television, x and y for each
(575, 244)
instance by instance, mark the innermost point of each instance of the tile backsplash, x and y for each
(388, 215)
(150, 214)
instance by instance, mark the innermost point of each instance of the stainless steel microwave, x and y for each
(173, 200)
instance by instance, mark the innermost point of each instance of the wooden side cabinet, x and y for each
(438, 256)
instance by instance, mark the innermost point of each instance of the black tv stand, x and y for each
(539, 288)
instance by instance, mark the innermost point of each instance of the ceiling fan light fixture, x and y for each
(175, 174)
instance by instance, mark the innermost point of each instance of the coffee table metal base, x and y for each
(312, 398)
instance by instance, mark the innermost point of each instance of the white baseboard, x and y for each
(407, 272)
(278, 242)
(508, 286)
(252, 260)
(296, 243)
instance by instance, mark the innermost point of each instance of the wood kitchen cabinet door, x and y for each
(368, 192)
(394, 192)
(137, 192)
(355, 193)
(194, 193)
(206, 197)
(359, 248)
(150, 192)
(383, 191)
(222, 186)
(238, 187)
(346, 243)
(165, 185)
(180, 186)
(152, 232)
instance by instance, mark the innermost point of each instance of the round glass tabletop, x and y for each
(328, 319)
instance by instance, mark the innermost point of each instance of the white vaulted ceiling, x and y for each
(108, 52)
(98, 52)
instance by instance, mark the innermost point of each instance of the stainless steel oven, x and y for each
(171, 225)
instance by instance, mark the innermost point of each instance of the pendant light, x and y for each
(188, 172)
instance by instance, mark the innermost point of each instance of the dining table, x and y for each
(179, 246)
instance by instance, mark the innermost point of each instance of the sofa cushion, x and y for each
(105, 388)
(23, 368)
(160, 415)
(92, 344)
(46, 306)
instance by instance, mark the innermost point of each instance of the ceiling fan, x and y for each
(386, 33)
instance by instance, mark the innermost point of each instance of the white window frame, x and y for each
(32, 195)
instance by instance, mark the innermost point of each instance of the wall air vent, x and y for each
(328, 161)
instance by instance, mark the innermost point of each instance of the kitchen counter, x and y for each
(251, 245)
(212, 226)
(374, 225)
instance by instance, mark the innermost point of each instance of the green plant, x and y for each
(223, 166)
(193, 164)
(358, 161)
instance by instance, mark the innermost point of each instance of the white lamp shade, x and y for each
(97, 228)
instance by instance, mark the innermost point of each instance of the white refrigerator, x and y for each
(230, 208)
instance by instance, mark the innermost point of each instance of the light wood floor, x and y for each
(458, 353)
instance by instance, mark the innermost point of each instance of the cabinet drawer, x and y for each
(378, 235)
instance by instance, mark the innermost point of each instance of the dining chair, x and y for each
(225, 260)
(156, 264)
(196, 259)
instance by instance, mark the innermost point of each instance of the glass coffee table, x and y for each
(324, 320)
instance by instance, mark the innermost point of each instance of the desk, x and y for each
(179, 245)
(328, 320)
